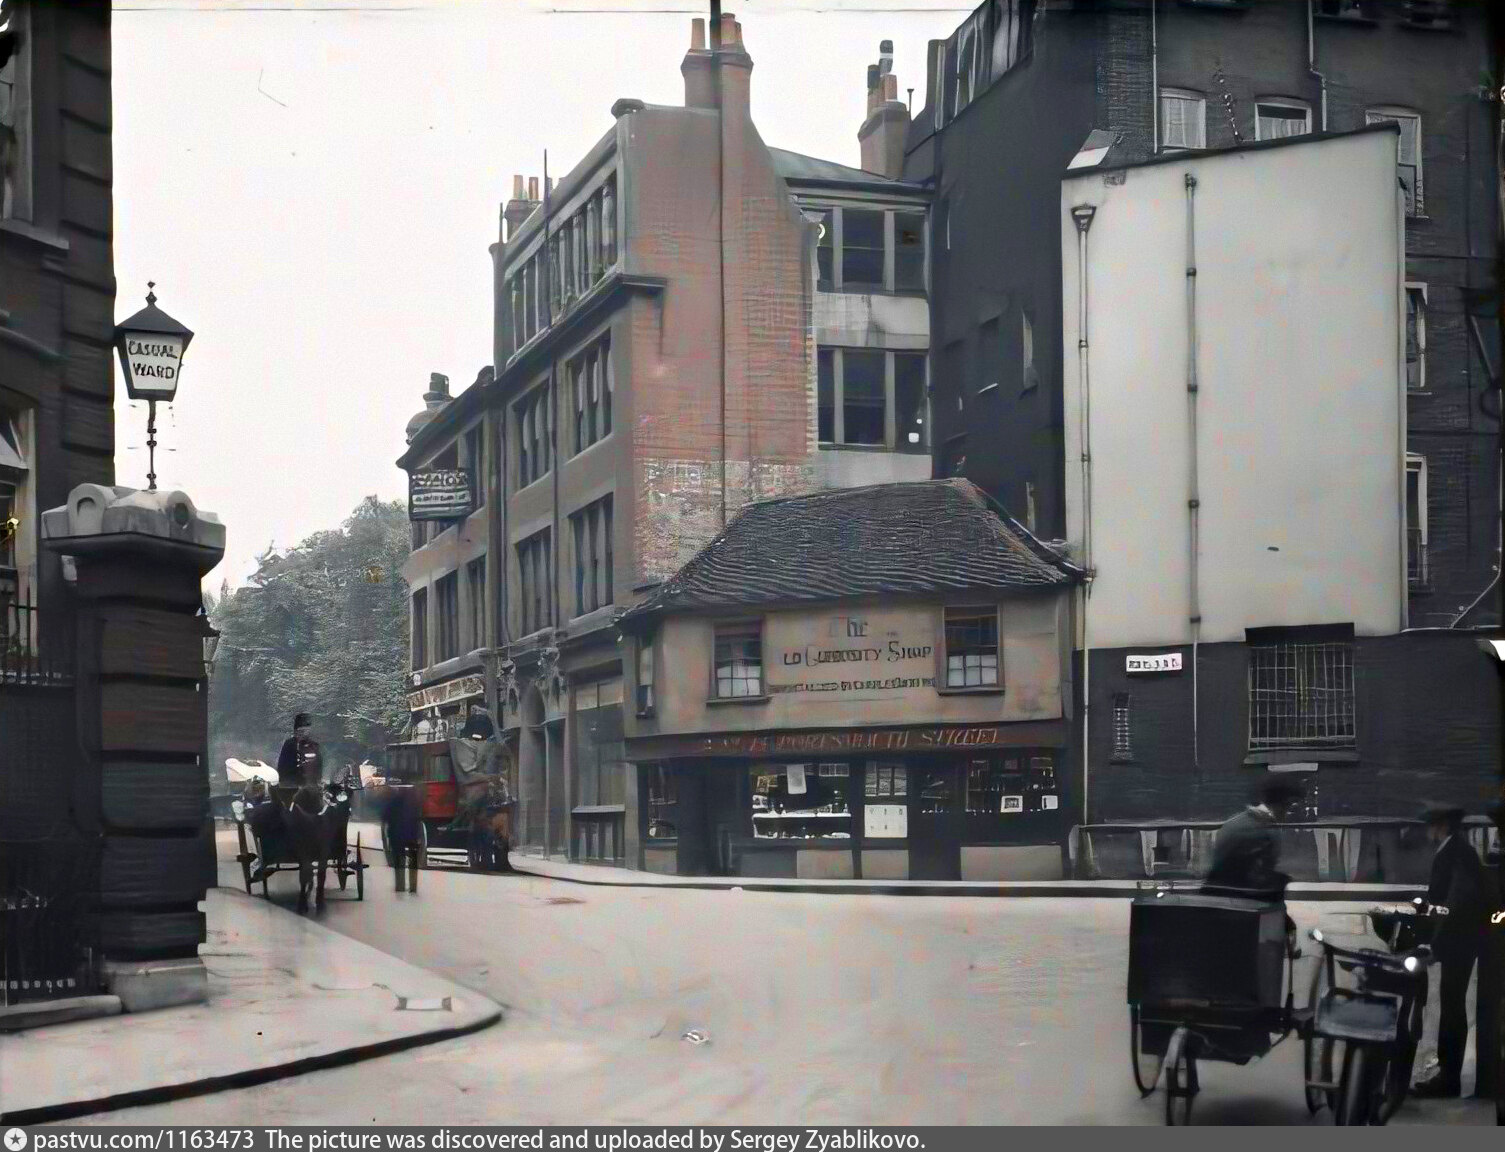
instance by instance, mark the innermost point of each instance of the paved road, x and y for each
(820, 1009)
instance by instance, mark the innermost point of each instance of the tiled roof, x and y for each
(915, 538)
(797, 167)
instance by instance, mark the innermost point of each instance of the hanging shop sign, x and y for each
(439, 494)
(446, 693)
(1169, 662)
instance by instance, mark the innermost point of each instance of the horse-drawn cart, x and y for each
(287, 829)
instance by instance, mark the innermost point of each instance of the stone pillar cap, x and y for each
(95, 510)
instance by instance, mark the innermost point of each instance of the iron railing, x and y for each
(45, 891)
(22, 658)
(1301, 695)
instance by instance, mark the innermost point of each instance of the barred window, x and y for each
(971, 648)
(1122, 750)
(739, 660)
(1301, 695)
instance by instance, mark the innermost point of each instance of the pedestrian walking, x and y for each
(403, 821)
(1459, 884)
(301, 761)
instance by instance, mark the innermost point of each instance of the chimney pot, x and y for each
(697, 34)
(886, 48)
(890, 87)
(728, 30)
(517, 187)
(532, 187)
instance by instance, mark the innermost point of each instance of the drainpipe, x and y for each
(1082, 216)
(1193, 490)
(1154, 78)
(1311, 58)
(716, 47)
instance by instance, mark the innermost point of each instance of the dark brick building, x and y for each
(1013, 96)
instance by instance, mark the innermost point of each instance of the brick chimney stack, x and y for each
(883, 133)
(698, 68)
(521, 206)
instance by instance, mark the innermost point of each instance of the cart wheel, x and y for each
(1180, 1078)
(360, 870)
(1362, 1087)
(1146, 1064)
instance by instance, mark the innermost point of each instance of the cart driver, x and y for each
(300, 761)
(1246, 853)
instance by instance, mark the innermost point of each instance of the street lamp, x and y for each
(151, 346)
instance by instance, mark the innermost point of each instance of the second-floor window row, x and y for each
(533, 417)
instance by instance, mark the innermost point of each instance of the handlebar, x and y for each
(1411, 962)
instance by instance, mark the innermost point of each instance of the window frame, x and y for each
(962, 612)
(1188, 96)
(1417, 290)
(834, 217)
(447, 617)
(728, 631)
(535, 601)
(1284, 102)
(1417, 568)
(892, 436)
(475, 584)
(533, 419)
(592, 391)
(1396, 114)
(644, 676)
(591, 530)
(1123, 728)
(657, 800)
(22, 205)
(418, 628)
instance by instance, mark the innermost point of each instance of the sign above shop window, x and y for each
(867, 657)
(439, 494)
(1169, 662)
(446, 693)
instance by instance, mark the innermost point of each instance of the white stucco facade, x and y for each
(1292, 445)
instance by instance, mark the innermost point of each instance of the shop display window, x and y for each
(885, 782)
(936, 790)
(800, 802)
(662, 790)
(1006, 785)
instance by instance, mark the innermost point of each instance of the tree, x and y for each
(321, 628)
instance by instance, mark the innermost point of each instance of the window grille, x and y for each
(1122, 750)
(1301, 695)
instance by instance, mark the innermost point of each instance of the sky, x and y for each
(313, 188)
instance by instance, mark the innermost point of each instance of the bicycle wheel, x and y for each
(1180, 1078)
(1146, 1064)
(1402, 1062)
(1322, 1054)
(1361, 1091)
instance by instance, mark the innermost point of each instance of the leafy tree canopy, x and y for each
(320, 628)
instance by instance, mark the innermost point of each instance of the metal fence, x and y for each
(1301, 695)
(22, 657)
(45, 889)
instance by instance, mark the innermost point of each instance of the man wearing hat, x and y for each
(1246, 852)
(300, 761)
(1459, 884)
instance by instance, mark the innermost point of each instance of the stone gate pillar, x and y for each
(137, 559)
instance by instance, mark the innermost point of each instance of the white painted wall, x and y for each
(1301, 405)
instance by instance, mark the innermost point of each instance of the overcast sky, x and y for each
(313, 187)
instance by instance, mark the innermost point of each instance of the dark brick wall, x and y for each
(997, 168)
(1427, 710)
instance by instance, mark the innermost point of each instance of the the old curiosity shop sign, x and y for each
(439, 494)
(864, 656)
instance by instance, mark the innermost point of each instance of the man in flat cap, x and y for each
(300, 761)
(1459, 884)
(1246, 851)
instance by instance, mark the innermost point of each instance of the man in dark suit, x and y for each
(1459, 884)
(1246, 852)
(300, 761)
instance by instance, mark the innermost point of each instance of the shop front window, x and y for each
(1007, 785)
(885, 781)
(801, 802)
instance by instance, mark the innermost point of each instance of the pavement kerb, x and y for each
(248, 1079)
(1093, 889)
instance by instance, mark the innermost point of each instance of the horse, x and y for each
(317, 822)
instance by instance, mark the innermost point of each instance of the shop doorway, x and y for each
(935, 830)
